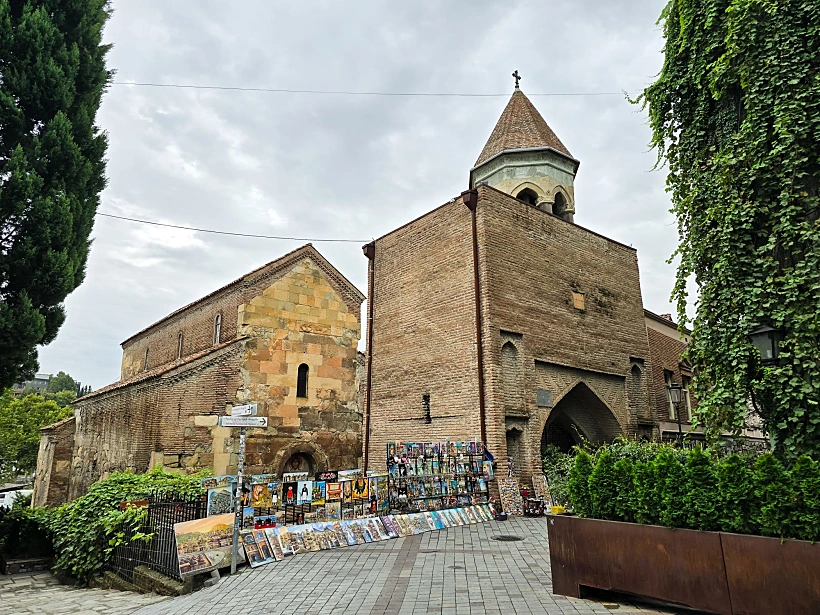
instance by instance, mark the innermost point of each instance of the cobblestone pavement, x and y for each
(458, 571)
(41, 594)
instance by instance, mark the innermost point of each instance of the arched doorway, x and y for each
(580, 414)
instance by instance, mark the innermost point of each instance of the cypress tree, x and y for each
(52, 165)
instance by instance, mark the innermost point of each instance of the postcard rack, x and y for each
(426, 476)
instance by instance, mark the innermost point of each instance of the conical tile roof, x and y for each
(520, 126)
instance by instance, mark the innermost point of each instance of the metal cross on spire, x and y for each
(517, 78)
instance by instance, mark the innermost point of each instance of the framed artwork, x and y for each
(247, 518)
(333, 491)
(318, 494)
(205, 544)
(328, 477)
(272, 534)
(260, 495)
(265, 550)
(220, 500)
(304, 492)
(333, 511)
(248, 541)
(347, 491)
(360, 489)
(212, 482)
(289, 491)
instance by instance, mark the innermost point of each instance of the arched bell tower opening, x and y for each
(528, 195)
(580, 415)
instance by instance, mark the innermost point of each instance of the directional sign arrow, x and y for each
(243, 421)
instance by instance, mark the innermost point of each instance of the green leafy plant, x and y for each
(775, 494)
(603, 489)
(736, 492)
(644, 495)
(735, 118)
(700, 493)
(578, 484)
(669, 486)
(86, 531)
(624, 479)
(805, 521)
(557, 465)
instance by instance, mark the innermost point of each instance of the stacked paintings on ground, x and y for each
(263, 546)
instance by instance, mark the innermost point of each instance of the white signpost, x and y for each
(242, 417)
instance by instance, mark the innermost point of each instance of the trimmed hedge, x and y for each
(660, 485)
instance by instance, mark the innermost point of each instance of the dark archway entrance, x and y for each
(580, 414)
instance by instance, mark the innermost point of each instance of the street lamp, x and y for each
(674, 397)
(767, 340)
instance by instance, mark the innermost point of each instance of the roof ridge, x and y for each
(520, 126)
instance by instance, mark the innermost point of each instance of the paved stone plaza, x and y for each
(457, 571)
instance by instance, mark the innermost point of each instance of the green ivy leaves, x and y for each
(735, 115)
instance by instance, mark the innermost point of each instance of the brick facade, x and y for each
(530, 264)
(296, 311)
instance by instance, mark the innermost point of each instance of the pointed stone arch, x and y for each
(530, 193)
(580, 412)
(562, 204)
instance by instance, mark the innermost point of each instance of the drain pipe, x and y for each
(370, 252)
(470, 199)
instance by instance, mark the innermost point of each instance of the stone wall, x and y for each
(424, 333)
(51, 479)
(162, 418)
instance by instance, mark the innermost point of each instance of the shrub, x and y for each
(644, 495)
(669, 483)
(557, 465)
(700, 496)
(578, 484)
(624, 478)
(86, 530)
(736, 492)
(775, 494)
(603, 490)
(805, 521)
(21, 535)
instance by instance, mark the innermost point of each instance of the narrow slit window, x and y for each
(145, 361)
(217, 328)
(179, 345)
(302, 380)
(425, 404)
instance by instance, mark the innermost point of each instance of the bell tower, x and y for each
(524, 158)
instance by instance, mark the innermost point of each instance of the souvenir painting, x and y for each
(390, 527)
(264, 546)
(328, 477)
(333, 491)
(318, 495)
(539, 485)
(304, 492)
(360, 489)
(252, 553)
(272, 534)
(347, 491)
(294, 476)
(438, 520)
(296, 537)
(339, 530)
(218, 481)
(333, 511)
(247, 518)
(431, 522)
(220, 500)
(350, 537)
(260, 496)
(205, 544)
(289, 491)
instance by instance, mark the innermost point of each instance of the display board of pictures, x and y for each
(205, 544)
(510, 496)
(539, 485)
(430, 476)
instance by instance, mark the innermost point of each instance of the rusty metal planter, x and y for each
(727, 574)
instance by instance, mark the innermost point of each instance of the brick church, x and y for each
(496, 317)
(284, 335)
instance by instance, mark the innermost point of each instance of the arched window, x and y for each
(179, 345)
(528, 196)
(217, 328)
(560, 205)
(145, 361)
(302, 380)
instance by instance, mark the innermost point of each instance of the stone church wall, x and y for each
(424, 333)
(564, 296)
(51, 479)
(157, 420)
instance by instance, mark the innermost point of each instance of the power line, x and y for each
(348, 92)
(205, 230)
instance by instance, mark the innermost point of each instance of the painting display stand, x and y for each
(428, 476)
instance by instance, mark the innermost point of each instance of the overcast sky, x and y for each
(338, 166)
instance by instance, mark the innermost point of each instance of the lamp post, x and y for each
(674, 396)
